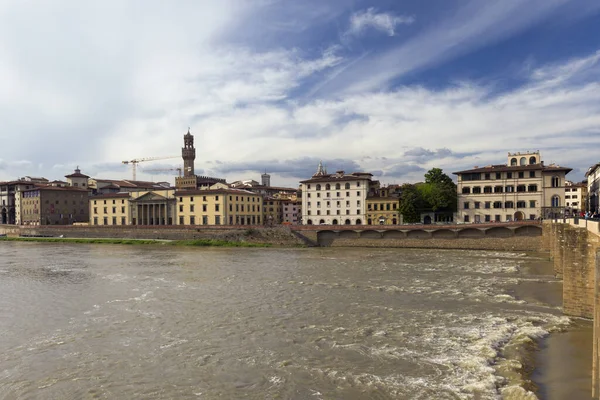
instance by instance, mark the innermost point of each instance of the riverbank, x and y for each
(197, 242)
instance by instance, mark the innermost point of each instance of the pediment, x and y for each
(150, 197)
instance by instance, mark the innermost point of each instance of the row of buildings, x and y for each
(523, 188)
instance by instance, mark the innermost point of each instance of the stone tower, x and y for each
(265, 179)
(188, 153)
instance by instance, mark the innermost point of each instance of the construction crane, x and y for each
(179, 170)
(136, 161)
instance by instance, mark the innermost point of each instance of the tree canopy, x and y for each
(437, 193)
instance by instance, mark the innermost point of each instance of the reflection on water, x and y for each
(101, 321)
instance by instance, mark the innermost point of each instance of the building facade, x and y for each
(524, 188)
(218, 207)
(383, 207)
(53, 205)
(134, 208)
(335, 199)
(593, 187)
(575, 198)
(292, 211)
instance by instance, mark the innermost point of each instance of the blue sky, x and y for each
(390, 87)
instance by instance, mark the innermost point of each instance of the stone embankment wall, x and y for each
(574, 246)
(277, 236)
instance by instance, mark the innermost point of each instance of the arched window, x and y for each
(358, 222)
(555, 181)
(337, 186)
(531, 160)
(335, 222)
(318, 186)
(555, 201)
(347, 186)
(347, 222)
(513, 162)
(369, 221)
(328, 187)
(394, 221)
(309, 222)
(523, 161)
(322, 222)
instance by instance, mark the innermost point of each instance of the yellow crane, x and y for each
(136, 161)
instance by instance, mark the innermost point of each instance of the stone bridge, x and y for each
(324, 235)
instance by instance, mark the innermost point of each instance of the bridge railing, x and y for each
(592, 225)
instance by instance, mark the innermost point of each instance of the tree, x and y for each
(410, 204)
(439, 191)
(437, 177)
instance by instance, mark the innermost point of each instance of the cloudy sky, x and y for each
(390, 87)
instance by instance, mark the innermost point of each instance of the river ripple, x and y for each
(141, 322)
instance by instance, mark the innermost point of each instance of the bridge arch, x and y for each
(370, 234)
(418, 234)
(348, 234)
(528, 230)
(471, 233)
(499, 232)
(444, 234)
(394, 235)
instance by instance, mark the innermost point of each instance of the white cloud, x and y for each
(383, 22)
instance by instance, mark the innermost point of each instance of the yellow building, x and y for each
(382, 207)
(218, 207)
(273, 211)
(133, 208)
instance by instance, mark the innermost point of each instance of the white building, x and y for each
(575, 197)
(335, 199)
(523, 188)
(593, 187)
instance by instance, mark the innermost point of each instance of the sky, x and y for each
(391, 87)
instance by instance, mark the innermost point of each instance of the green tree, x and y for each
(439, 191)
(410, 204)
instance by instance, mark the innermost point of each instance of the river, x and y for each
(82, 321)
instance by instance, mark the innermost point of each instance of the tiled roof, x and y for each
(213, 191)
(334, 178)
(76, 175)
(57, 188)
(110, 195)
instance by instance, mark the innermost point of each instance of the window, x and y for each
(217, 219)
(497, 218)
(531, 203)
(105, 221)
(318, 194)
(327, 194)
(521, 174)
(95, 220)
(487, 176)
(114, 210)
(466, 190)
(532, 188)
(498, 189)
(471, 177)
(521, 204)
(337, 187)
(466, 205)
(509, 175)
(531, 160)
(181, 208)
(488, 204)
(318, 187)
(114, 220)
(513, 162)
(509, 204)
(204, 207)
(555, 181)
(192, 210)
(520, 188)
(477, 204)
(205, 220)
(123, 222)
(466, 218)
(328, 212)
(203, 198)
(347, 212)
(498, 175)
(532, 174)
(531, 216)
(347, 203)
(308, 186)
(123, 210)
(358, 194)
(487, 189)
(497, 204)
(318, 204)
(357, 184)
(181, 199)
(192, 220)
(105, 211)
(487, 218)
(181, 220)
(217, 208)
(347, 186)
(347, 194)
(216, 198)
(476, 190)
(555, 201)
(328, 187)
(509, 189)
(318, 212)
(357, 203)
(95, 211)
